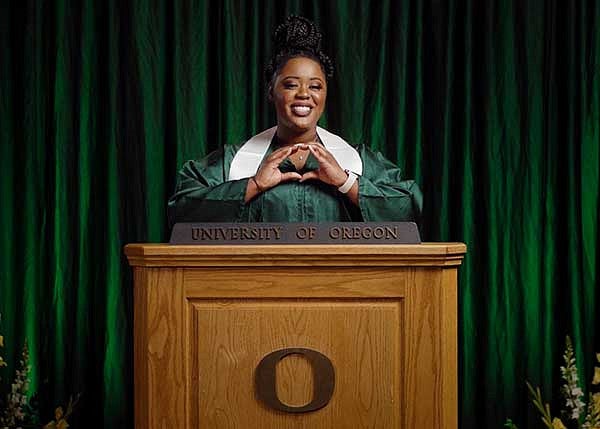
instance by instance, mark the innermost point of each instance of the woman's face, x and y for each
(299, 94)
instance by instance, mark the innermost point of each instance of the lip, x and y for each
(301, 114)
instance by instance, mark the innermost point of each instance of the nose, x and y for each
(302, 92)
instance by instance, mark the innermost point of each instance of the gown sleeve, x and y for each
(204, 195)
(383, 195)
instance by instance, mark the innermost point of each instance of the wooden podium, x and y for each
(383, 317)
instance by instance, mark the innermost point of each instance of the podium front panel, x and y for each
(361, 339)
(388, 331)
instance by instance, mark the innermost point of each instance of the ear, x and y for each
(270, 92)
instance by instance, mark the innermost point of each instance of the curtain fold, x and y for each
(493, 107)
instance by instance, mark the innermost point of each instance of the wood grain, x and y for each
(431, 349)
(347, 282)
(427, 254)
(142, 390)
(362, 339)
(386, 318)
(159, 349)
(449, 348)
(295, 377)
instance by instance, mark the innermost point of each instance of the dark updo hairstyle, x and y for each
(297, 37)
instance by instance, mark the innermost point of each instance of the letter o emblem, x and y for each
(324, 381)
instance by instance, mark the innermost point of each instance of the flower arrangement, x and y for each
(575, 414)
(19, 412)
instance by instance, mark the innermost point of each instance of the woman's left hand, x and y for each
(329, 170)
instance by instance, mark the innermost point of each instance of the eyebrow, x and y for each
(298, 77)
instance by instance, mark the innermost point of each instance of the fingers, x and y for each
(292, 175)
(281, 154)
(329, 170)
(269, 174)
(309, 175)
(303, 146)
(317, 152)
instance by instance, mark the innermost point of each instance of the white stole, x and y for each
(247, 160)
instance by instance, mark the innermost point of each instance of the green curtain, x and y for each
(494, 108)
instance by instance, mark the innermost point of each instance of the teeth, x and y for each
(301, 110)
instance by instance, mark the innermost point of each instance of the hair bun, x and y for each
(297, 37)
(297, 33)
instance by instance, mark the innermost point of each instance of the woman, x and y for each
(296, 171)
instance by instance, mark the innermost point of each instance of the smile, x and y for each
(301, 110)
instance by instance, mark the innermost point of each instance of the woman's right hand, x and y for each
(269, 175)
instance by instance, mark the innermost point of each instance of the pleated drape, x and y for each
(493, 107)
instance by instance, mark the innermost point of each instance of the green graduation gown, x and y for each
(204, 195)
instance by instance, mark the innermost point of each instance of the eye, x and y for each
(316, 87)
(289, 85)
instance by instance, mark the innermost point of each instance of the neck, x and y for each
(288, 138)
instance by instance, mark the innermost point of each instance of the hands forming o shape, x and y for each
(329, 171)
(269, 175)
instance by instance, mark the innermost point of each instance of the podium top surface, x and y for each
(166, 255)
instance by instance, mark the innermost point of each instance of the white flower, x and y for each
(17, 398)
(571, 390)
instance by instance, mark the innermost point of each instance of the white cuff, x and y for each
(349, 182)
